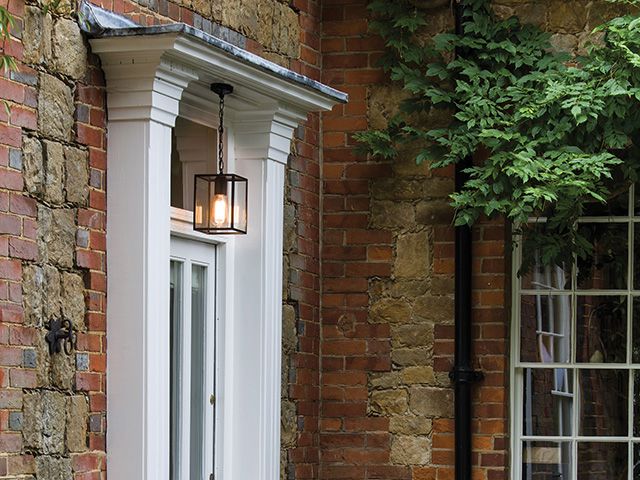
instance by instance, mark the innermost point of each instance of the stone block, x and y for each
(289, 335)
(32, 292)
(567, 16)
(286, 31)
(288, 423)
(77, 414)
(52, 468)
(55, 108)
(414, 335)
(72, 299)
(389, 214)
(564, 43)
(384, 104)
(76, 163)
(431, 402)
(410, 425)
(36, 35)
(33, 165)
(51, 299)
(434, 212)
(384, 380)
(54, 172)
(388, 402)
(418, 375)
(412, 255)
(43, 426)
(405, 357)
(410, 450)
(56, 235)
(398, 189)
(433, 309)
(69, 50)
(390, 310)
(63, 371)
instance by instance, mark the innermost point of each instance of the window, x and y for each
(576, 355)
(192, 358)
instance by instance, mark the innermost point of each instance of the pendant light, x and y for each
(220, 200)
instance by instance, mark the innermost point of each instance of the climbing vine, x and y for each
(7, 22)
(548, 133)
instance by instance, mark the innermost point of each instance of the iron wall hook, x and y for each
(60, 336)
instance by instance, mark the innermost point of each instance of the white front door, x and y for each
(193, 338)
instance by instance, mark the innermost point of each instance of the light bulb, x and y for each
(219, 210)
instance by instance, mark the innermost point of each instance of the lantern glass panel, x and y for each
(220, 204)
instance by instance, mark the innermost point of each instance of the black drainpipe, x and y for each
(463, 374)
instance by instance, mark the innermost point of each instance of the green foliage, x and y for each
(7, 22)
(548, 133)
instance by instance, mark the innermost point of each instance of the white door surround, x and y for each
(152, 78)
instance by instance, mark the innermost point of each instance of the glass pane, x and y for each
(175, 335)
(198, 365)
(548, 402)
(601, 329)
(636, 248)
(618, 201)
(603, 402)
(606, 267)
(545, 331)
(546, 460)
(636, 403)
(535, 275)
(602, 461)
(635, 348)
(636, 461)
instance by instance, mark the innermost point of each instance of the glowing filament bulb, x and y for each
(219, 210)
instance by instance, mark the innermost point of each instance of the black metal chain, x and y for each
(221, 135)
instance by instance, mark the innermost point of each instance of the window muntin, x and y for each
(576, 355)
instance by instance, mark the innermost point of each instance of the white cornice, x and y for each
(182, 52)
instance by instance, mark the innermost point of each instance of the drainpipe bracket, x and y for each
(465, 375)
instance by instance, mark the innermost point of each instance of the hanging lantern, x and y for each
(220, 200)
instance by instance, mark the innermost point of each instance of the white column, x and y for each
(143, 98)
(262, 145)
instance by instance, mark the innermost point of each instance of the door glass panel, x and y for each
(175, 325)
(198, 368)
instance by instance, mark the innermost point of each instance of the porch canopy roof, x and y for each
(214, 60)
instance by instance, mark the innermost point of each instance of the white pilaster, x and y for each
(262, 145)
(143, 99)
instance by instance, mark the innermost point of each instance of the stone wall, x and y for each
(53, 243)
(52, 253)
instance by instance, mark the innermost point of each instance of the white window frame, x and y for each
(516, 365)
(151, 79)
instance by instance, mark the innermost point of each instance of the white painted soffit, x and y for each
(112, 34)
